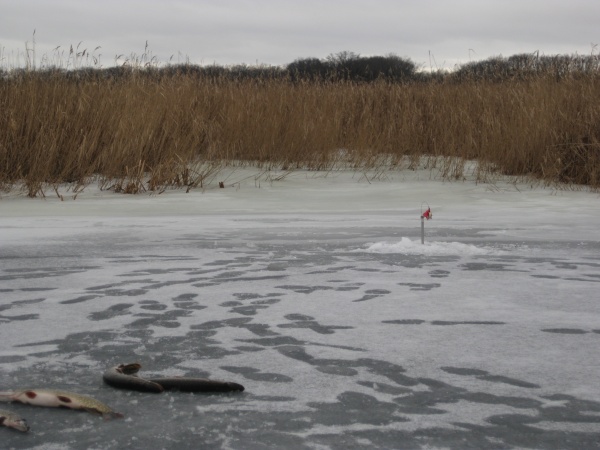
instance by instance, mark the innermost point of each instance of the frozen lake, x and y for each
(316, 294)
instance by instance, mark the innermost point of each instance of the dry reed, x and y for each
(137, 132)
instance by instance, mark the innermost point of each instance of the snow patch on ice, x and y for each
(407, 246)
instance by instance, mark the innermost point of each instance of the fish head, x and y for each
(12, 421)
(129, 369)
(19, 424)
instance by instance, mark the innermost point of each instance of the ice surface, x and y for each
(316, 294)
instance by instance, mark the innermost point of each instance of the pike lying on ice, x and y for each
(59, 399)
(125, 376)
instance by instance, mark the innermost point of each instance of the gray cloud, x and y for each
(279, 31)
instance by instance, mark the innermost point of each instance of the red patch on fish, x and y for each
(30, 394)
(64, 399)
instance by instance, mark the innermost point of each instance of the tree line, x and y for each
(346, 66)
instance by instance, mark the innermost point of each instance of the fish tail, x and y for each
(6, 396)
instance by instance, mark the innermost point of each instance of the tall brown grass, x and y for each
(137, 131)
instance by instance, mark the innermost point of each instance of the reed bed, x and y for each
(142, 131)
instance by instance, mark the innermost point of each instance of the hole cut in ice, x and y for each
(408, 247)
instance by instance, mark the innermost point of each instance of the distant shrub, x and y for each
(308, 69)
(349, 66)
(526, 65)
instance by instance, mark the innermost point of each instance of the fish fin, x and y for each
(105, 415)
(91, 410)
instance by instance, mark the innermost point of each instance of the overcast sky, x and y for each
(439, 33)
